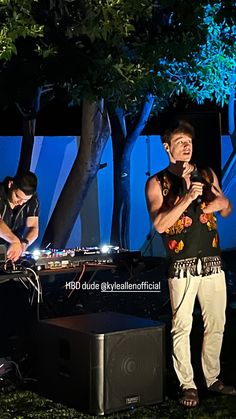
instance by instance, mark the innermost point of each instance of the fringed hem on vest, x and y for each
(205, 266)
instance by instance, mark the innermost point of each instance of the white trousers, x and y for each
(211, 293)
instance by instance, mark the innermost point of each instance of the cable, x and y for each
(39, 287)
(92, 276)
(78, 280)
(6, 365)
(183, 297)
(23, 282)
(17, 369)
(149, 242)
(36, 287)
(39, 299)
(33, 281)
(32, 298)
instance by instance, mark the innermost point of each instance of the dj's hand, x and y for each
(23, 247)
(14, 251)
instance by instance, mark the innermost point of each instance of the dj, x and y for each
(18, 213)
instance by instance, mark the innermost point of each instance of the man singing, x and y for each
(182, 200)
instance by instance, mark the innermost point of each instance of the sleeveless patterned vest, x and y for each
(192, 242)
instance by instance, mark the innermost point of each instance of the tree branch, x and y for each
(140, 125)
(121, 118)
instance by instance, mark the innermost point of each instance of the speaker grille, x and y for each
(133, 368)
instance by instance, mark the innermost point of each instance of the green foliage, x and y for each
(98, 36)
(16, 21)
(122, 50)
(109, 20)
(131, 48)
(209, 72)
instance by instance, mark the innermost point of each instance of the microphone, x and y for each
(196, 177)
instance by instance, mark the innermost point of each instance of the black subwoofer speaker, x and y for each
(101, 362)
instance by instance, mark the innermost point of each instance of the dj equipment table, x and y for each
(56, 277)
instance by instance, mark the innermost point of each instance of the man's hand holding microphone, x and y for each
(196, 188)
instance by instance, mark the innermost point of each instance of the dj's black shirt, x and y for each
(16, 218)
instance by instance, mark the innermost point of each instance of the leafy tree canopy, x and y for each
(16, 21)
(209, 72)
(121, 50)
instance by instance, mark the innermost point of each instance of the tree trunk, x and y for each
(121, 212)
(28, 126)
(125, 196)
(94, 135)
(118, 144)
(27, 145)
(229, 170)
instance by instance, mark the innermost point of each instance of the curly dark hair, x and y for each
(182, 127)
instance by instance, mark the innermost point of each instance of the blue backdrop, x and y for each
(52, 161)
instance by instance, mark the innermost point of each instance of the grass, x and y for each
(28, 405)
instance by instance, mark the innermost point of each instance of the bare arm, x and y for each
(32, 231)
(7, 234)
(32, 226)
(14, 250)
(221, 203)
(16, 247)
(162, 217)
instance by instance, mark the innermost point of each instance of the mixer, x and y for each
(49, 259)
